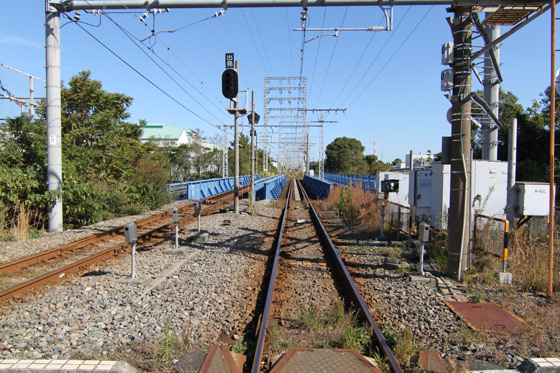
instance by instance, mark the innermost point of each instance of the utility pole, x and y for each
(236, 153)
(225, 165)
(252, 150)
(54, 122)
(321, 150)
(31, 92)
(492, 97)
(459, 206)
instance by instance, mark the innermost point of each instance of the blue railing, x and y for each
(368, 182)
(318, 188)
(206, 188)
(269, 188)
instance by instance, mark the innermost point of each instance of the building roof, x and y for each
(161, 132)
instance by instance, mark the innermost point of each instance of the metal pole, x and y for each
(492, 97)
(459, 205)
(552, 130)
(31, 100)
(54, 123)
(252, 150)
(133, 252)
(236, 153)
(512, 164)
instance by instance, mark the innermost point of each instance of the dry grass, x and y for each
(360, 210)
(529, 262)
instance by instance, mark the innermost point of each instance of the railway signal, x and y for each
(230, 83)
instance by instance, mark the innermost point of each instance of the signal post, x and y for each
(230, 89)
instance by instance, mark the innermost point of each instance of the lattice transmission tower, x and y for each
(285, 109)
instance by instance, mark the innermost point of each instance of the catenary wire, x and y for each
(143, 76)
(394, 54)
(290, 41)
(254, 43)
(151, 48)
(132, 38)
(331, 59)
(377, 56)
(261, 40)
(356, 65)
(317, 54)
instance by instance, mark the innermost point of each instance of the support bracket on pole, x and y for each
(487, 41)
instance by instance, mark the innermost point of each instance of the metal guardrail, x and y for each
(200, 189)
(270, 187)
(368, 182)
(486, 239)
(319, 188)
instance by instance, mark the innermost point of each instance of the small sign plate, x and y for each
(229, 61)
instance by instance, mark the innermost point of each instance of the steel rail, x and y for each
(271, 285)
(351, 286)
(76, 245)
(97, 257)
(59, 273)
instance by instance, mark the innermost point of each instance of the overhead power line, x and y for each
(142, 75)
(394, 54)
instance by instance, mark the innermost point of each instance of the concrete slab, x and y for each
(429, 281)
(540, 365)
(51, 366)
(299, 359)
(487, 316)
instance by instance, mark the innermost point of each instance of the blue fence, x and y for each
(318, 188)
(369, 182)
(206, 188)
(269, 188)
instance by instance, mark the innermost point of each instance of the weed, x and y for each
(389, 335)
(405, 346)
(309, 318)
(171, 345)
(381, 361)
(274, 337)
(336, 314)
(240, 347)
(355, 337)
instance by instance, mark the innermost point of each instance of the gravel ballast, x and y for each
(208, 293)
(104, 311)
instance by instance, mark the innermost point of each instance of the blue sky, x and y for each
(389, 82)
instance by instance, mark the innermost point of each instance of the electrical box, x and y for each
(447, 53)
(400, 195)
(389, 186)
(130, 232)
(420, 193)
(175, 216)
(447, 80)
(197, 208)
(531, 198)
(424, 232)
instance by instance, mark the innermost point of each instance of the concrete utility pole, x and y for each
(459, 204)
(54, 122)
(31, 92)
(492, 97)
(512, 164)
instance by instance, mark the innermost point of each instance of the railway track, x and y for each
(312, 300)
(30, 273)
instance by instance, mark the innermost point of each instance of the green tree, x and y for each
(23, 169)
(107, 172)
(345, 155)
(375, 165)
